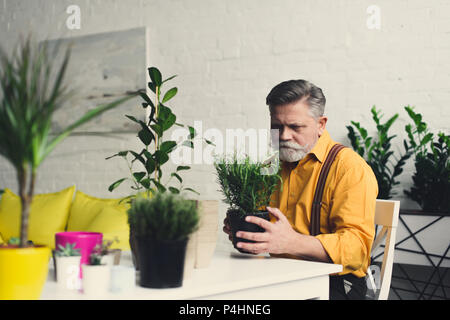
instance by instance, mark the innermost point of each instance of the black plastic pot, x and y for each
(238, 223)
(161, 263)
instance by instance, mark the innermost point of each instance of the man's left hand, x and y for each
(279, 237)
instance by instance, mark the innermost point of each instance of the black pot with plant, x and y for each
(162, 225)
(247, 187)
(146, 164)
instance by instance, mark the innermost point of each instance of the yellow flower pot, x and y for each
(23, 272)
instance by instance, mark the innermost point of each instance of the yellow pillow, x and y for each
(112, 222)
(85, 208)
(48, 215)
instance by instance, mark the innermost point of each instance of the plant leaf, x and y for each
(116, 184)
(155, 75)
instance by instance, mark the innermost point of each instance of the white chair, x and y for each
(386, 215)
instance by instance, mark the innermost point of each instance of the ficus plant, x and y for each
(156, 149)
(32, 89)
(431, 179)
(378, 153)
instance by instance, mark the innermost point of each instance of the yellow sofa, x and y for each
(65, 210)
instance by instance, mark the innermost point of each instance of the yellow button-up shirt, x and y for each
(348, 206)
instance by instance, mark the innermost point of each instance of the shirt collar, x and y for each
(322, 145)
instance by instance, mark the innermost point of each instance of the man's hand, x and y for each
(279, 237)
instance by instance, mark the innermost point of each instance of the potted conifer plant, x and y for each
(32, 89)
(162, 225)
(247, 186)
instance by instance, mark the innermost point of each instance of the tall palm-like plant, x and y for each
(31, 92)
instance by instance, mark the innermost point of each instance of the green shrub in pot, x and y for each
(147, 165)
(431, 179)
(247, 187)
(162, 225)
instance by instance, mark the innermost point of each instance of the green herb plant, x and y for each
(378, 153)
(31, 91)
(431, 179)
(165, 216)
(68, 251)
(244, 186)
(161, 118)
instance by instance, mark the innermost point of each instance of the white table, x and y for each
(230, 276)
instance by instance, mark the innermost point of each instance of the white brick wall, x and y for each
(230, 53)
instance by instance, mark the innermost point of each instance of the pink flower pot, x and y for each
(85, 241)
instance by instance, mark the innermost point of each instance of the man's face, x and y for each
(298, 129)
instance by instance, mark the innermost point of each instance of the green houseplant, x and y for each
(378, 153)
(156, 149)
(32, 90)
(431, 179)
(147, 165)
(247, 187)
(162, 225)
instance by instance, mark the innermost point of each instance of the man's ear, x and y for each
(321, 124)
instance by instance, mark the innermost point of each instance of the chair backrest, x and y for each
(386, 215)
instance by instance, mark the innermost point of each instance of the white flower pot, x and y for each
(123, 279)
(96, 279)
(68, 272)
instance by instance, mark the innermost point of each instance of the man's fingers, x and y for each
(260, 222)
(256, 248)
(255, 236)
(276, 213)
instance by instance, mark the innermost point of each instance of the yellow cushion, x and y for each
(48, 215)
(85, 208)
(112, 222)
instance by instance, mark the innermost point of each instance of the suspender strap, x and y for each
(317, 202)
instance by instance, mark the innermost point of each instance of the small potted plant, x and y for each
(67, 265)
(162, 225)
(110, 256)
(247, 186)
(96, 275)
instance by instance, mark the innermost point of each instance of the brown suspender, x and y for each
(314, 228)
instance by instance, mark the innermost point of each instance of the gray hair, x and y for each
(294, 90)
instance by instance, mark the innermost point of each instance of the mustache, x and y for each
(292, 145)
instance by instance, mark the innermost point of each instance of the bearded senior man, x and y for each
(346, 229)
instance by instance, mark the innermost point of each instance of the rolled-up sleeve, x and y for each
(351, 220)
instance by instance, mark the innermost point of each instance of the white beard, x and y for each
(292, 152)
